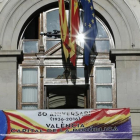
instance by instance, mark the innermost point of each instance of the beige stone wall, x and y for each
(2, 4)
(135, 8)
(128, 81)
(128, 88)
(122, 16)
(135, 115)
(8, 80)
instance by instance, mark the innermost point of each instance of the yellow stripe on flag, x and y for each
(64, 28)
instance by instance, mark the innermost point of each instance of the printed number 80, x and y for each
(42, 114)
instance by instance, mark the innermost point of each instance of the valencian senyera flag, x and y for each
(74, 29)
(69, 45)
(65, 124)
(64, 28)
(90, 28)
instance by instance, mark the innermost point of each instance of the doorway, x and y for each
(66, 96)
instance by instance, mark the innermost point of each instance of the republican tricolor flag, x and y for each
(65, 124)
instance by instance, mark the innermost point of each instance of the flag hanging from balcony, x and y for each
(65, 124)
(74, 29)
(64, 28)
(90, 28)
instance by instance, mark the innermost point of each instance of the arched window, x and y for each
(45, 69)
(104, 39)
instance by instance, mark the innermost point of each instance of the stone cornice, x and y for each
(134, 110)
(11, 52)
(125, 51)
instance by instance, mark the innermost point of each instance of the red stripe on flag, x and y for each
(22, 119)
(63, 10)
(74, 29)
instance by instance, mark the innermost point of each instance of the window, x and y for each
(59, 72)
(29, 88)
(65, 96)
(61, 91)
(30, 46)
(104, 40)
(104, 86)
(49, 23)
(33, 78)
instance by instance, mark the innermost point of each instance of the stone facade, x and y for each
(123, 16)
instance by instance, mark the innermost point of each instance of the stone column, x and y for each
(8, 79)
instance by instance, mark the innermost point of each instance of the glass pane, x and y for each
(101, 31)
(29, 94)
(29, 76)
(104, 93)
(102, 46)
(80, 72)
(61, 101)
(54, 72)
(29, 107)
(103, 75)
(50, 44)
(56, 101)
(80, 99)
(104, 105)
(53, 21)
(30, 46)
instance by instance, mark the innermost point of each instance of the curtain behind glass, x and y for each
(103, 75)
(104, 105)
(104, 93)
(29, 76)
(29, 94)
(29, 107)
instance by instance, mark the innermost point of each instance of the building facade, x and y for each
(33, 74)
